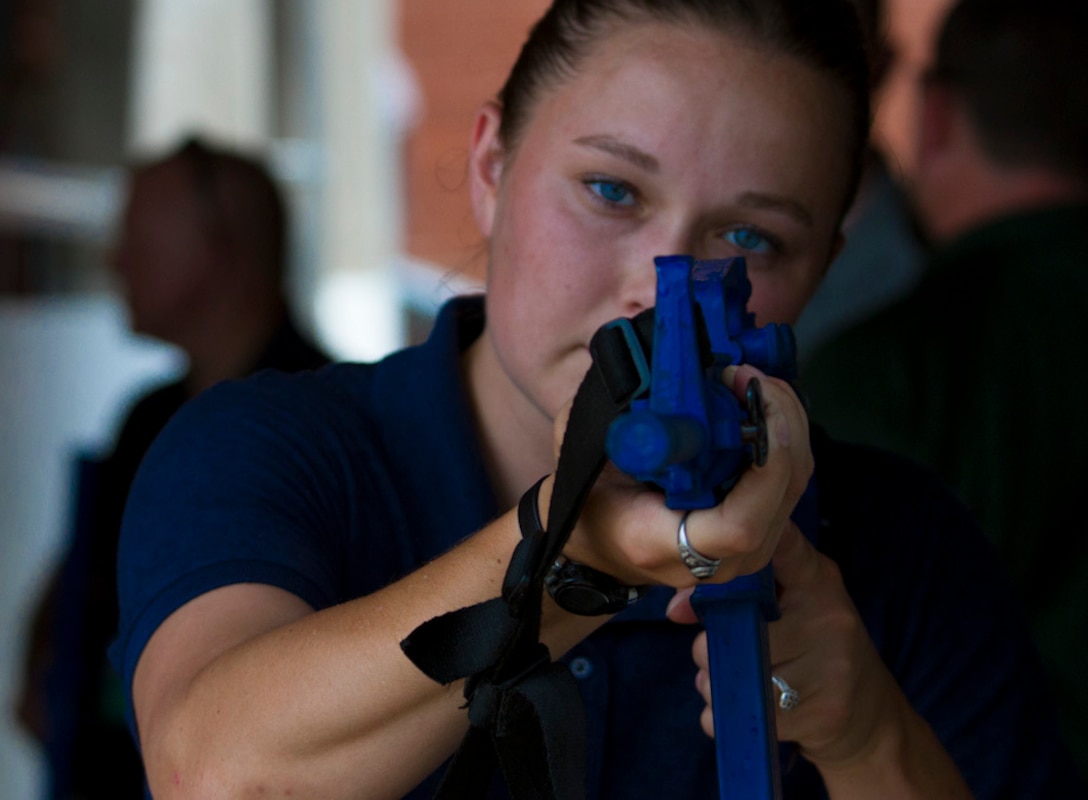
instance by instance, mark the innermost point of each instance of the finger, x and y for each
(786, 719)
(702, 685)
(679, 608)
(797, 574)
(786, 423)
(702, 682)
(700, 653)
(795, 561)
(764, 496)
(737, 378)
(786, 419)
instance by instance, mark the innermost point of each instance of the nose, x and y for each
(640, 285)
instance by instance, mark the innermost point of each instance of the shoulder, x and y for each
(876, 382)
(289, 350)
(154, 408)
(254, 480)
(273, 399)
(143, 421)
(866, 348)
(270, 437)
(896, 530)
(912, 556)
(849, 472)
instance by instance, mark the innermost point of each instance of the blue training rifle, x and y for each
(693, 438)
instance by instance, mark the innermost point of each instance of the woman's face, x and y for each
(669, 140)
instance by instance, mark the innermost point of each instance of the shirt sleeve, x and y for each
(240, 487)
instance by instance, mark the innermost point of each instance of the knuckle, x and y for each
(699, 650)
(748, 539)
(642, 562)
(835, 713)
(843, 626)
(706, 719)
(808, 466)
(831, 570)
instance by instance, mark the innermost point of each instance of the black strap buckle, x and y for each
(622, 357)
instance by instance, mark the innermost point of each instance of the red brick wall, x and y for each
(460, 51)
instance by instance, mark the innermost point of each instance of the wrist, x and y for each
(878, 751)
(575, 587)
(900, 759)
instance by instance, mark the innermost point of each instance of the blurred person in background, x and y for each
(979, 372)
(201, 259)
(30, 54)
(883, 257)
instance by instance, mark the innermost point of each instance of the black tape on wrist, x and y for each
(525, 712)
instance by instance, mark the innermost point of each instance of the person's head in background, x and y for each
(874, 27)
(873, 16)
(1004, 123)
(201, 255)
(635, 128)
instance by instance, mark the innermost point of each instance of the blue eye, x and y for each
(612, 192)
(749, 239)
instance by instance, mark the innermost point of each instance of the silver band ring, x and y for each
(788, 698)
(701, 566)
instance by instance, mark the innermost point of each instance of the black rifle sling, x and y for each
(525, 712)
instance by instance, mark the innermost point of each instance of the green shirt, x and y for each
(981, 374)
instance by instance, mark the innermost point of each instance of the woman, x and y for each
(286, 534)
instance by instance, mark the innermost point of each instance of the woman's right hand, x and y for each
(626, 530)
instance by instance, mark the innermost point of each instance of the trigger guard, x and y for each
(755, 431)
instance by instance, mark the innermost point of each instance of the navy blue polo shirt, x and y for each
(335, 483)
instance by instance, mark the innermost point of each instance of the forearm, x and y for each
(905, 761)
(324, 707)
(328, 705)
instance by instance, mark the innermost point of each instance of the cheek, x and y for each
(547, 256)
(781, 298)
(549, 288)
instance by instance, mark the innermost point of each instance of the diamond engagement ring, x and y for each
(788, 698)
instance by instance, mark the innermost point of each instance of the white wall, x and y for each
(68, 368)
(208, 66)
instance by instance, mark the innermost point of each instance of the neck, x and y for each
(959, 187)
(995, 197)
(515, 435)
(230, 348)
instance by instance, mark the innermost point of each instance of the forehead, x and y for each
(165, 177)
(171, 181)
(160, 199)
(701, 101)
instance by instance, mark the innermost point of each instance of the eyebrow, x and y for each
(756, 200)
(784, 205)
(622, 150)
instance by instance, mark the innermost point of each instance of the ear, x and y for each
(485, 163)
(837, 244)
(936, 122)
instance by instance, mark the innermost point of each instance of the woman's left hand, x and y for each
(821, 649)
(852, 720)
